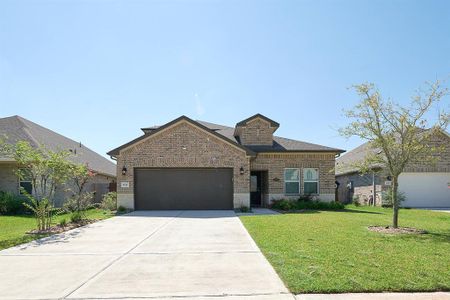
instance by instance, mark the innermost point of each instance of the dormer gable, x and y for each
(256, 130)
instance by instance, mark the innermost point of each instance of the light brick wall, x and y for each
(9, 181)
(443, 157)
(184, 146)
(275, 163)
(256, 132)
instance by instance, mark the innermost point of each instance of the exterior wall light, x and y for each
(124, 170)
(241, 170)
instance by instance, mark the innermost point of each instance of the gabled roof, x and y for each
(345, 164)
(156, 129)
(260, 116)
(280, 144)
(16, 128)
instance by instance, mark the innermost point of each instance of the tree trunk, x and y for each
(395, 201)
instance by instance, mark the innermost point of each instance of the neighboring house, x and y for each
(425, 185)
(187, 164)
(16, 128)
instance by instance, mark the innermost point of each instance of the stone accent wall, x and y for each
(256, 132)
(275, 163)
(184, 145)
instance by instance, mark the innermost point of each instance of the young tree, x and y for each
(399, 134)
(47, 170)
(79, 176)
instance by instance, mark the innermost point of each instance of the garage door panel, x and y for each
(183, 189)
(425, 189)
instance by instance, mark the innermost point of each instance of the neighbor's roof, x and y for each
(346, 163)
(16, 128)
(279, 144)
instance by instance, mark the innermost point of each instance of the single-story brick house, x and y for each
(16, 128)
(425, 185)
(187, 164)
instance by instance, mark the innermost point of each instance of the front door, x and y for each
(255, 188)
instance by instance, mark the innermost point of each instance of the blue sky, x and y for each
(97, 71)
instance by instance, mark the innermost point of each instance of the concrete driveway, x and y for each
(148, 254)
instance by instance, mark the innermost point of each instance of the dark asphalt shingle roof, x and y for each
(16, 128)
(346, 163)
(280, 144)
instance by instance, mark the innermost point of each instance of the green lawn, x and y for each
(13, 228)
(333, 252)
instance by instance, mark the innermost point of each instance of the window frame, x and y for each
(316, 180)
(24, 181)
(297, 181)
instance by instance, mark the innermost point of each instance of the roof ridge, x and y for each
(26, 129)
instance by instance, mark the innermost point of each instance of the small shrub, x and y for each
(80, 202)
(355, 200)
(283, 204)
(76, 217)
(62, 222)
(11, 204)
(287, 205)
(121, 209)
(109, 201)
(305, 198)
(387, 198)
(244, 209)
(43, 211)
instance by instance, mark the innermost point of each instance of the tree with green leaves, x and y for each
(398, 135)
(47, 170)
(79, 176)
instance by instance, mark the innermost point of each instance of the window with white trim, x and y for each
(292, 181)
(25, 184)
(311, 181)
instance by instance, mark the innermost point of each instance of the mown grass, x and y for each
(333, 252)
(13, 228)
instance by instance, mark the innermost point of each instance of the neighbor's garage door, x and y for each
(183, 189)
(425, 189)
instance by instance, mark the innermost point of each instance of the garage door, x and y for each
(425, 189)
(167, 189)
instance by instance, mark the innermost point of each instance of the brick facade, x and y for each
(275, 163)
(183, 145)
(363, 184)
(256, 132)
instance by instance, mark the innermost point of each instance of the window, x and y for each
(291, 181)
(311, 181)
(25, 185)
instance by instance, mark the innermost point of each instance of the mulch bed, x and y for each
(399, 230)
(59, 229)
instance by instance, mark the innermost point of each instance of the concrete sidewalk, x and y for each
(157, 254)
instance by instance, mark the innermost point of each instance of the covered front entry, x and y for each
(258, 188)
(183, 189)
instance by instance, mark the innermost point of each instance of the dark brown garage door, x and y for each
(183, 189)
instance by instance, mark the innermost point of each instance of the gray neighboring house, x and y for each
(424, 185)
(16, 128)
(187, 164)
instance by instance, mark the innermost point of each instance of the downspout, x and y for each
(374, 192)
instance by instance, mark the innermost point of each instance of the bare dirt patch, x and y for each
(60, 229)
(399, 230)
